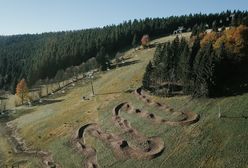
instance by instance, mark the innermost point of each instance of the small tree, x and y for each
(22, 90)
(145, 40)
(118, 58)
(135, 40)
(2, 101)
(147, 76)
(59, 76)
(102, 59)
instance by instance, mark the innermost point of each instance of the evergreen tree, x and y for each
(203, 71)
(214, 26)
(59, 77)
(147, 81)
(184, 70)
(1, 81)
(102, 59)
(158, 54)
(135, 40)
(38, 56)
(13, 86)
(194, 50)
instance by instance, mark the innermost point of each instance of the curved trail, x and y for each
(151, 146)
(189, 117)
(20, 147)
(154, 146)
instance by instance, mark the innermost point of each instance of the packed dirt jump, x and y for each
(149, 148)
(189, 117)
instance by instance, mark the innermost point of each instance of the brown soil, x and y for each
(20, 147)
(189, 117)
(149, 148)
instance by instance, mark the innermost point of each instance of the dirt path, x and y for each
(152, 146)
(189, 117)
(20, 147)
(149, 148)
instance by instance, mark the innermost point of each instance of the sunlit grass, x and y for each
(212, 142)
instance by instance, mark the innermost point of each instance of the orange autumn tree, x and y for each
(145, 40)
(235, 39)
(209, 37)
(22, 90)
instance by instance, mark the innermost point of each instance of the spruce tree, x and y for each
(203, 71)
(102, 59)
(135, 40)
(184, 69)
(215, 26)
(147, 76)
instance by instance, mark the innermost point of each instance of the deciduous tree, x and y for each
(22, 90)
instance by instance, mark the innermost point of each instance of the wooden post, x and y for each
(219, 115)
(92, 88)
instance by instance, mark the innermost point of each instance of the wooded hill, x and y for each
(42, 56)
(209, 64)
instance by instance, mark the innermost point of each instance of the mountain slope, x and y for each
(211, 142)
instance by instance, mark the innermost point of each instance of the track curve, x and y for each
(121, 147)
(189, 117)
(21, 147)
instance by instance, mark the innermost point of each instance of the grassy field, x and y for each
(211, 142)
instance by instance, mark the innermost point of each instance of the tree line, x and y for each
(209, 64)
(44, 56)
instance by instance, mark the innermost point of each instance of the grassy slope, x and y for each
(211, 142)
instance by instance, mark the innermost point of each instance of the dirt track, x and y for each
(153, 147)
(189, 117)
(20, 147)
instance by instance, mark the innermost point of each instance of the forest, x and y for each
(51, 56)
(210, 64)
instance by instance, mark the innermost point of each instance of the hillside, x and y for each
(209, 142)
(43, 56)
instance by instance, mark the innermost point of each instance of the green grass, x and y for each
(64, 153)
(211, 142)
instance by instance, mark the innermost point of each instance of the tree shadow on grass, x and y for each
(46, 102)
(126, 91)
(235, 117)
(3, 98)
(99, 94)
(126, 63)
(9, 115)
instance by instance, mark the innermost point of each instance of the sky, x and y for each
(37, 16)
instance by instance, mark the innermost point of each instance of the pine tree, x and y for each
(158, 54)
(203, 71)
(245, 21)
(13, 86)
(220, 69)
(194, 30)
(147, 76)
(184, 69)
(194, 50)
(102, 59)
(59, 77)
(1, 81)
(135, 40)
(214, 26)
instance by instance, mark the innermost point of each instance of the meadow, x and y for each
(211, 142)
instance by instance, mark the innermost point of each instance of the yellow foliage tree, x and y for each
(22, 90)
(235, 39)
(209, 37)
